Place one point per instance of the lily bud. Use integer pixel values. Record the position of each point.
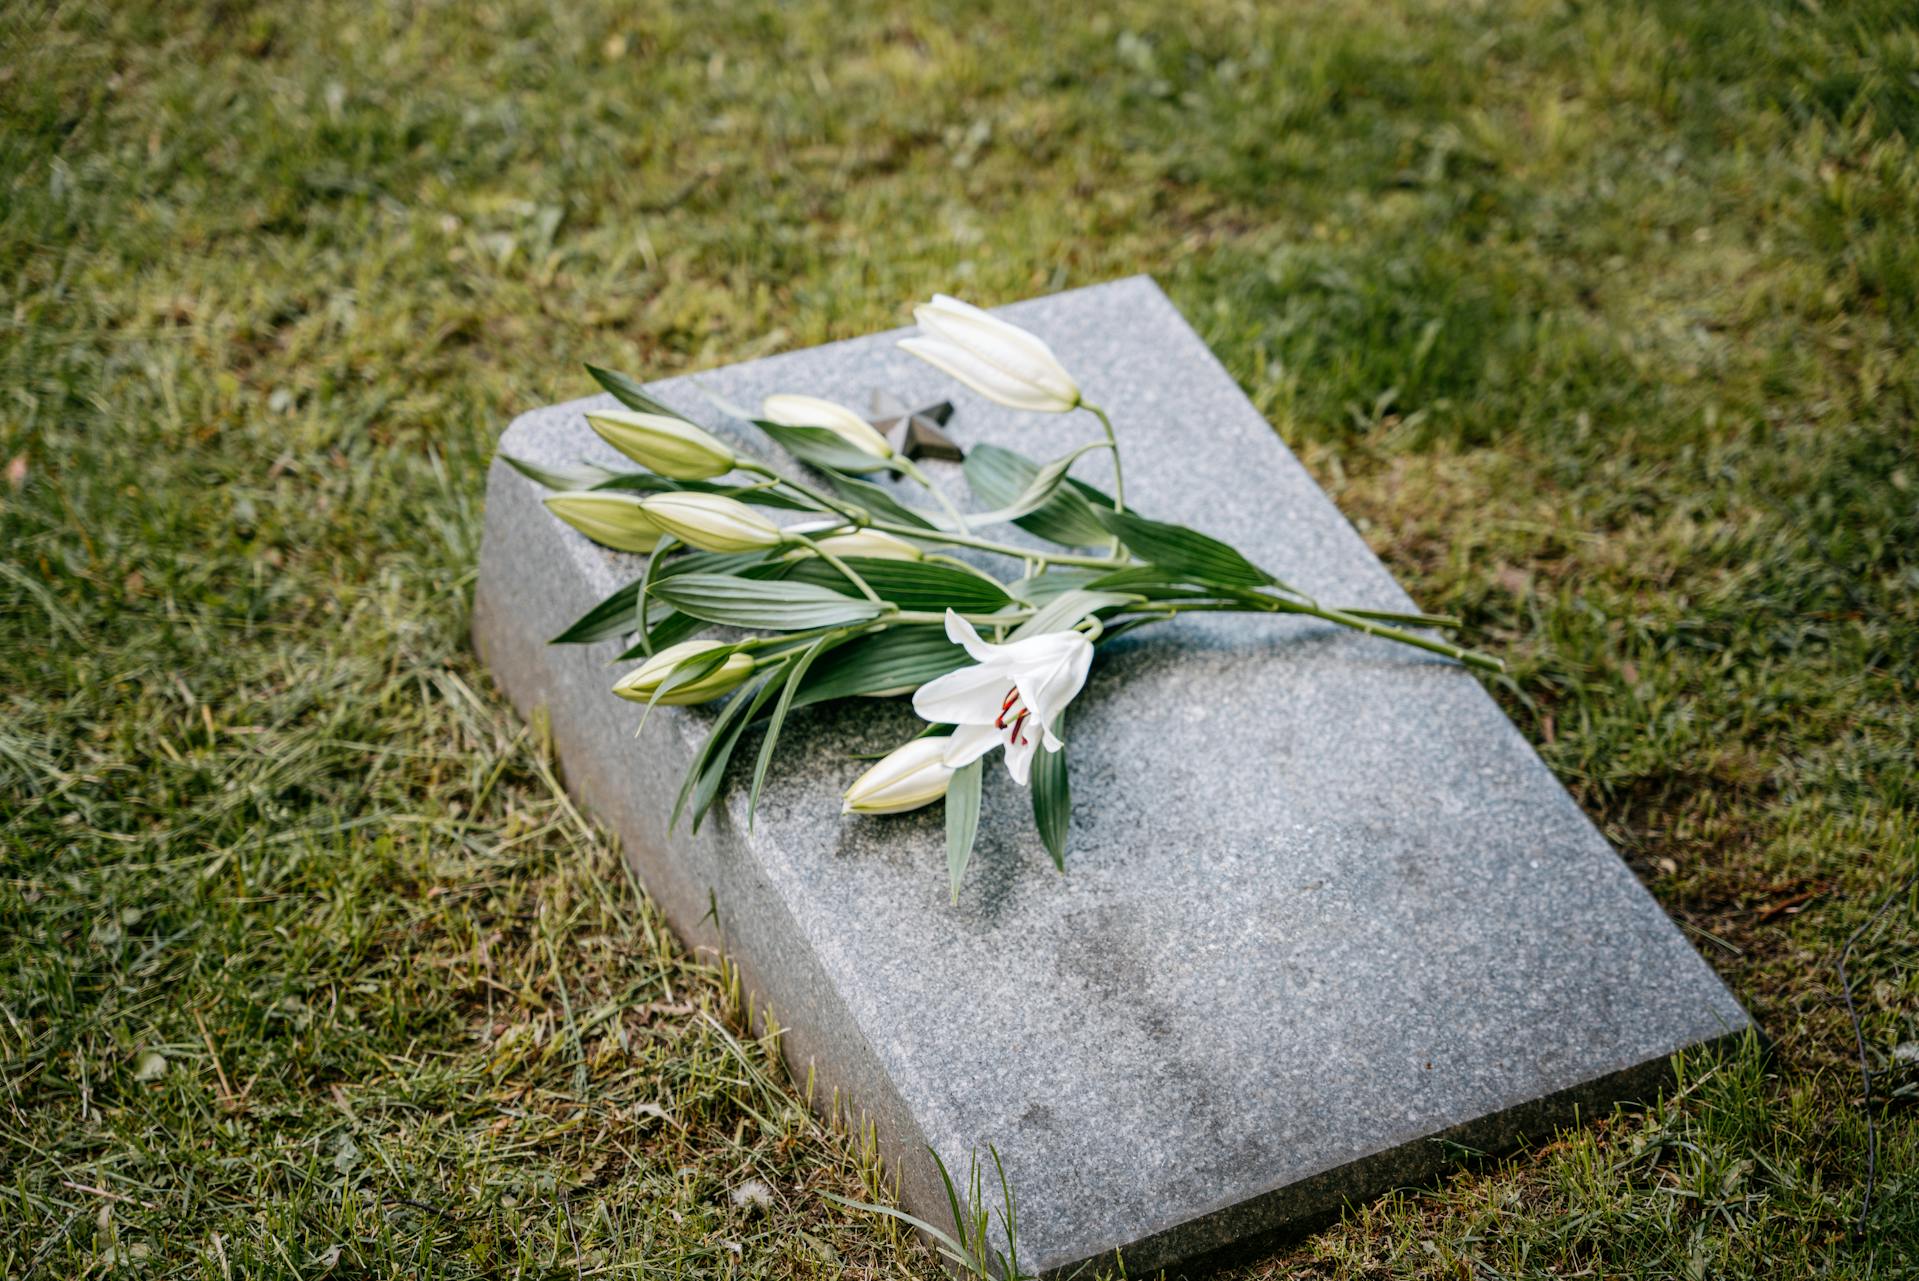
(905, 779)
(810, 411)
(1001, 362)
(672, 447)
(872, 543)
(713, 522)
(640, 683)
(615, 520)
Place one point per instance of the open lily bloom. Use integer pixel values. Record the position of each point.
(1011, 698)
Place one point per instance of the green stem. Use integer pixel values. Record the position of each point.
(851, 575)
(1112, 441)
(1253, 603)
(908, 468)
(796, 640)
(1003, 549)
(978, 620)
(824, 502)
(941, 559)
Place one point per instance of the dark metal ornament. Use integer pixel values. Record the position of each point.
(916, 432)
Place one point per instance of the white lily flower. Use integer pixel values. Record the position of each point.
(1012, 698)
(906, 778)
(789, 410)
(1001, 362)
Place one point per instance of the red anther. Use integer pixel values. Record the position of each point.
(1012, 696)
(1018, 721)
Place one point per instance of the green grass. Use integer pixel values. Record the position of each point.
(1599, 318)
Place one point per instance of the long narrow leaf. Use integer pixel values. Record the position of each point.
(1186, 551)
(617, 615)
(706, 789)
(895, 661)
(821, 447)
(1052, 799)
(915, 585)
(773, 726)
(877, 499)
(760, 494)
(998, 476)
(630, 393)
(962, 822)
(1039, 490)
(773, 605)
(573, 476)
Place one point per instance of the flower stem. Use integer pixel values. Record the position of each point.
(847, 571)
(978, 620)
(1255, 603)
(1003, 549)
(1112, 441)
(855, 514)
(910, 469)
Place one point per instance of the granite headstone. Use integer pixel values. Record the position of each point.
(1325, 907)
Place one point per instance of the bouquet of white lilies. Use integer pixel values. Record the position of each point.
(870, 596)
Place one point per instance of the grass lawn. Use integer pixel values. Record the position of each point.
(1598, 318)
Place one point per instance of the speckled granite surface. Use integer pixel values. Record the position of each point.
(1324, 904)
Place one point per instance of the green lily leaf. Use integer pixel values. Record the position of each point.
(999, 477)
(629, 392)
(962, 821)
(914, 585)
(771, 605)
(876, 499)
(1184, 551)
(565, 478)
(894, 661)
(1052, 799)
(821, 447)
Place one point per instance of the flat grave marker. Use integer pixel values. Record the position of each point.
(1324, 905)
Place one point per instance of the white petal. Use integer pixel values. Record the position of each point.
(969, 743)
(946, 308)
(981, 376)
(1012, 350)
(1047, 689)
(1019, 759)
(965, 635)
(970, 696)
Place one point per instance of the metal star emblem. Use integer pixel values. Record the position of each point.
(915, 432)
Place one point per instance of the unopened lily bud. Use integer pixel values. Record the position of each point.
(1001, 362)
(615, 520)
(810, 411)
(905, 779)
(871, 543)
(670, 446)
(713, 522)
(640, 683)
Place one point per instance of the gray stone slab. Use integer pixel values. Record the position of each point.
(1324, 907)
